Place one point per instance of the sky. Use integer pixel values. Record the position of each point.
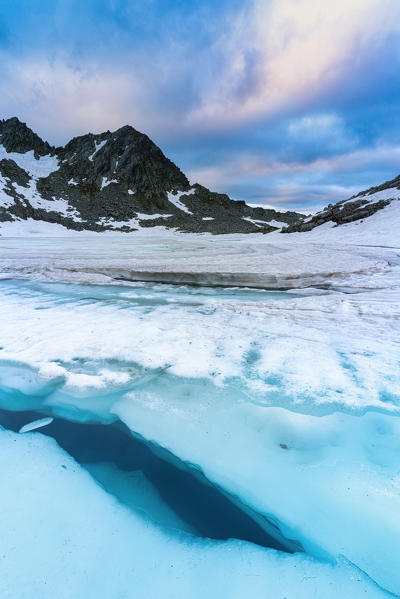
(287, 103)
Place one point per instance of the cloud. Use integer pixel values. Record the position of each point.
(318, 182)
(60, 99)
(190, 74)
(189, 71)
(264, 99)
(327, 130)
(285, 54)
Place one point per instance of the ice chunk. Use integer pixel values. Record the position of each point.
(31, 426)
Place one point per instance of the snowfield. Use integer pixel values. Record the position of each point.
(276, 376)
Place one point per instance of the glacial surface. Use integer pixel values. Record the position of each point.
(284, 398)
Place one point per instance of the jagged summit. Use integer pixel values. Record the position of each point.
(113, 180)
(128, 155)
(16, 136)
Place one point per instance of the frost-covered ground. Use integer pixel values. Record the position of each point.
(286, 398)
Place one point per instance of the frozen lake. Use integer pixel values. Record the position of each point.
(261, 399)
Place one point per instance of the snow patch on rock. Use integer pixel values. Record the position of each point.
(35, 167)
(174, 198)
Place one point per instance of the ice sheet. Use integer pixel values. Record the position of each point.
(232, 373)
(289, 401)
(82, 543)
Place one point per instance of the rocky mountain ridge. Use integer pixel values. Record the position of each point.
(114, 181)
(357, 208)
(121, 181)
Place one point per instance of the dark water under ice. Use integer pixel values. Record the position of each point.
(205, 510)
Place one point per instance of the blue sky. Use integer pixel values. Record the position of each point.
(291, 103)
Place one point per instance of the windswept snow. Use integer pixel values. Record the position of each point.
(37, 168)
(258, 223)
(58, 205)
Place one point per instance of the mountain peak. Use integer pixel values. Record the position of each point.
(16, 136)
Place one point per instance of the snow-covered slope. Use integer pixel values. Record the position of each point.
(380, 228)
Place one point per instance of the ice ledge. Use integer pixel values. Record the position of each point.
(230, 279)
